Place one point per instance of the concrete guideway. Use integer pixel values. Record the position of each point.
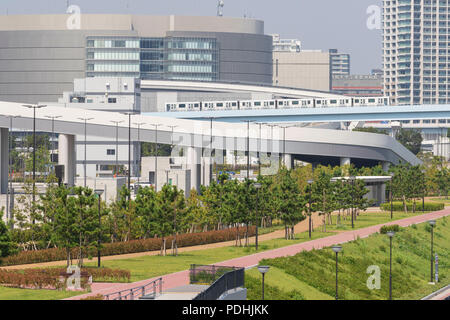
(182, 278)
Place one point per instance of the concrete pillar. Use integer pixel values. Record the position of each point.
(194, 164)
(385, 165)
(345, 161)
(4, 160)
(67, 157)
(288, 161)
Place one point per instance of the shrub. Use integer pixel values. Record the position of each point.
(398, 206)
(96, 297)
(133, 246)
(386, 229)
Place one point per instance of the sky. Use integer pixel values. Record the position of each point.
(319, 24)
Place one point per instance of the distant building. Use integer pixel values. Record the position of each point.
(286, 45)
(340, 62)
(358, 85)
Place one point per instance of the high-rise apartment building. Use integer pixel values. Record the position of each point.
(416, 36)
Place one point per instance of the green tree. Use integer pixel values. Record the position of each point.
(411, 139)
(7, 246)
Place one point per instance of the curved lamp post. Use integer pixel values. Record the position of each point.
(263, 270)
(432, 224)
(336, 249)
(390, 235)
(257, 186)
(99, 193)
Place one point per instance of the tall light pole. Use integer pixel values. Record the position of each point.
(85, 152)
(263, 270)
(271, 136)
(99, 193)
(257, 186)
(336, 250)
(352, 179)
(34, 107)
(248, 147)
(53, 134)
(10, 136)
(117, 145)
(156, 154)
(432, 224)
(129, 114)
(391, 195)
(259, 148)
(310, 183)
(284, 141)
(390, 235)
(139, 124)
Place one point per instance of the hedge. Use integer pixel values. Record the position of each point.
(133, 246)
(386, 229)
(398, 206)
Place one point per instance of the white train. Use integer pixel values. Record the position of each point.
(277, 104)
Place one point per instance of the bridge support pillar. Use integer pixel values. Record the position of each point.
(288, 161)
(194, 162)
(345, 161)
(4, 160)
(67, 157)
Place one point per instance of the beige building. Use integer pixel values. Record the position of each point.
(305, 70)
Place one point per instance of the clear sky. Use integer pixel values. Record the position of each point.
(320, 24)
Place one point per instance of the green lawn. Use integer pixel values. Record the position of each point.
(146, 267)
(441, 200)
(411, 266)
(27, 294)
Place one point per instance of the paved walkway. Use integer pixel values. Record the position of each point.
(182, 278)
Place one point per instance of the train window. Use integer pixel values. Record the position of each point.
(196, 105)
(333, 101)
(319, 102)
(280, 103)
(182, 105)
(219, 104)
(257, 103)
(271, 103)
(371, 100)
(233, 104)
(295, 103)
(356, 100)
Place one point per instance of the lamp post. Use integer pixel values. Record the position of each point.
(263, 270)
(248, 146)
(336, 249)
(271, 136)
(257, 186)
(139, 124)
(390, 235)
(129, 114)
(423, 192)
(8, 211)
(99, 193)
(156, 154)
(34, 107)
(53, 134)
(259, 148)
(391, 195)
(352, 179)
(117, 146)
(432, 224)
(284, 142)
(310, 183)
(85, 137)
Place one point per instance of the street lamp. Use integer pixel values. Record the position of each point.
(390, 235)
(53, 134)
(156, 154)
(336, 249)
(257, 186)
(129, 114)
(99, 193)
(310, 182)
(248, 146)
(391, 195)
(8, 209)
(263, 270)
(34, 107)
(352, 179)
(423, 192)
(432, 224)
(85, 137)
(139, 124)
(117, 145)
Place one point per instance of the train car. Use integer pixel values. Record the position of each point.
(295, 103)
(219, 105)
(370, 101)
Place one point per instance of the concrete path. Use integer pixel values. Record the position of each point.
(182, 278)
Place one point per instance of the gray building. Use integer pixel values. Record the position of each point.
(40, 56)
(358, 85)
(339, 62)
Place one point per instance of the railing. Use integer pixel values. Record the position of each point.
(221, 279)
(150, 289)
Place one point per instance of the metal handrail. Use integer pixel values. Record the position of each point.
(229, 280)
(133, 293)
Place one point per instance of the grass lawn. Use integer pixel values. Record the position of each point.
(441, 200)
(411, 265)
(27, 294)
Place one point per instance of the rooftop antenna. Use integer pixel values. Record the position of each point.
(220, 5)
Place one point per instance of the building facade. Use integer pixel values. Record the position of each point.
(358, 85)
(340, 63)
(40, 56)
(416, 36)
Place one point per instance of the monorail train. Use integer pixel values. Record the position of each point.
(277, 104)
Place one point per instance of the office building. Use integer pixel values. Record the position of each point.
(416, 51)
(339, 62)
(358, 85)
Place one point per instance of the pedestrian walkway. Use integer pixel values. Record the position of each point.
(182, 278)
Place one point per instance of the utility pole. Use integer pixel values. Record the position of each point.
(85, 153)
